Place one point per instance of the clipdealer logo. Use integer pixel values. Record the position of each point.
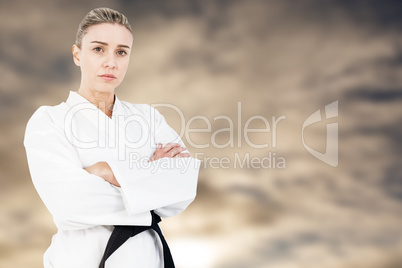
(330, 156)
(129, 134)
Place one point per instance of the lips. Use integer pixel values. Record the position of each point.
(108, 77)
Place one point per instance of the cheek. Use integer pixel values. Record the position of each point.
(88, 66)
(124, 65)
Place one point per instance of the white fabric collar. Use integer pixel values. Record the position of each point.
(74, 99)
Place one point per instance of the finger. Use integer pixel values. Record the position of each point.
(183, 155)
(158, 150)
(170, 146)
(159, 146)
(177, 150)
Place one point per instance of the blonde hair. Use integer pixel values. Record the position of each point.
(97, 16)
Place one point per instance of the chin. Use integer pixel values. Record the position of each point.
(106, 88)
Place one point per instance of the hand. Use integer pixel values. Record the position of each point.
(170, 150)
(103, 170)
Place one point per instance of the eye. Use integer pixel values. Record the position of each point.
(98, 49)
(122, 52)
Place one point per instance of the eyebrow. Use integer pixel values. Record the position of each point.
(106, 44)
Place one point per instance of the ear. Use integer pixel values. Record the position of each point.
(76, 55)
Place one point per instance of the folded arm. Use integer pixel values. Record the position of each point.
(75, 198)
(103, 170)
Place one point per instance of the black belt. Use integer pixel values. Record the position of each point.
(121, 234)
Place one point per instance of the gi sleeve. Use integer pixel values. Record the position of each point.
(75, 198)
(166, 185)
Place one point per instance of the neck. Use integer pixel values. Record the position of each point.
(103, 100)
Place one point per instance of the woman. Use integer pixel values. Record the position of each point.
(86, 159)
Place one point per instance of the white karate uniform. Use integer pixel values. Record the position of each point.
(62, 140)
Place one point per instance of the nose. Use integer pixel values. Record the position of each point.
(110, 61)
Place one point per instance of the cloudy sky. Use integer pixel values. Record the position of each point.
(236, 60)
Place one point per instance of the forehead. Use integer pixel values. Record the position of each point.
(112, 34)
